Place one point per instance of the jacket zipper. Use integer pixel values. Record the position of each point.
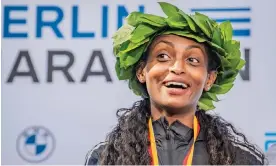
(167, 132)
(169, 152)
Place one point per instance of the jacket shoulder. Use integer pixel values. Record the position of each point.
(93, 156)
(245, 157)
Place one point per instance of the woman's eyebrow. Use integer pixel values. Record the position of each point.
(192, 46)
(195, 46)
(172, 45)
(164, 41)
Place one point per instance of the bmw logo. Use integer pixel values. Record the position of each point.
(35, 144)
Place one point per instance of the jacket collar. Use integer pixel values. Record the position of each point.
(180, 130)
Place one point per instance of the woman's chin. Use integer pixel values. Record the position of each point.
(176, 104)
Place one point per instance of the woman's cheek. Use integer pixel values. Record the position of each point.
(198, 74)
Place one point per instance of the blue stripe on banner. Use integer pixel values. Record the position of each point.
(270, 134)
(241, 32)
(234, 20)
(243, 9)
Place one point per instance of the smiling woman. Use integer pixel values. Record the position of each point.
(178, 65)
(175, 73)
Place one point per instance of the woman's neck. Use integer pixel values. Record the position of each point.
(184, 116)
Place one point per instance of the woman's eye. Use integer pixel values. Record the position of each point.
(163, 57)
(193, 60)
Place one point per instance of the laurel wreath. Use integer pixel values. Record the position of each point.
(132, 39)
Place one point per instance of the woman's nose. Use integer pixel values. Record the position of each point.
(178, 67)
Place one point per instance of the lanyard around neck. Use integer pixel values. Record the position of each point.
(153, 151)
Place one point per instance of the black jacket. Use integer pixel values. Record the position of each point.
(173, 143)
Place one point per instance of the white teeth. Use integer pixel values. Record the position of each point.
(177, 83)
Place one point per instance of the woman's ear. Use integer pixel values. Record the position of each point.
(211, 78)
(140, 73)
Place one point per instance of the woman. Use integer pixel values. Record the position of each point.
(179, 65)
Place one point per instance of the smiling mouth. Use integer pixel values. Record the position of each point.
(178, 85)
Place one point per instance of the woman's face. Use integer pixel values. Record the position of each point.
(176, 72)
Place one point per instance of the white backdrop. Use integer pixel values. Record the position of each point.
(77, 115)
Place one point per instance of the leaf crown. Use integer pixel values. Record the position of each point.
(131, 41)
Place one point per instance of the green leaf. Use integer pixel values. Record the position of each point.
(206, 104)
(118, 48)
(122, 73)
(216, 38)
(229, 74)
(177, 22)
(186, 34)
(190, 21)
(153, 20)
(141, 33)
(211, 96)
(169, 9)
(118, 69)
(131, 57)
(201, 21)
(226, 63)
(221, 89)
(225, 88)
(217, 48)
(234, 61)
(235, 53)
(227, 81)
(136, 87)
(123, 34)
(227, 30)
(122, 47)
(132, 46)
(241, 64)
(212, 24)
(133, 18)
(231, 45)
(227, 77)
(136, 18)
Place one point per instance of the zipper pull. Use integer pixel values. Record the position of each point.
(167, 133)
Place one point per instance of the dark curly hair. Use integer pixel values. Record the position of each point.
(128, 143)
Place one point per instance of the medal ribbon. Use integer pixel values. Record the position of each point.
(153, 151)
